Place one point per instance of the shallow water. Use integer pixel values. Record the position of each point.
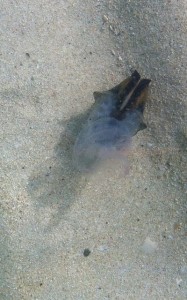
(135, 225)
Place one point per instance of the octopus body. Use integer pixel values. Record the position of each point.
(116, 117)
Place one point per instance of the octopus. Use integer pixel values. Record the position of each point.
(117, 115)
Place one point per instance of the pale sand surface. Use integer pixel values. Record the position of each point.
(54, 54)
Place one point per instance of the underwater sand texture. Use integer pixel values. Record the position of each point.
(104, 236)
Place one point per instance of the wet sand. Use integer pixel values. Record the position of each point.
(67, 235)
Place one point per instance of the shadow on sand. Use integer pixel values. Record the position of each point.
(58, 185)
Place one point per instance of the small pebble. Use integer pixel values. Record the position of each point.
(86, 252)
(111, 28)
(105, 18)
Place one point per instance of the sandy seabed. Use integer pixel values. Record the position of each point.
(66, 235)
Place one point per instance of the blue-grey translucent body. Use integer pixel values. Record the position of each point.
(104, 137)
